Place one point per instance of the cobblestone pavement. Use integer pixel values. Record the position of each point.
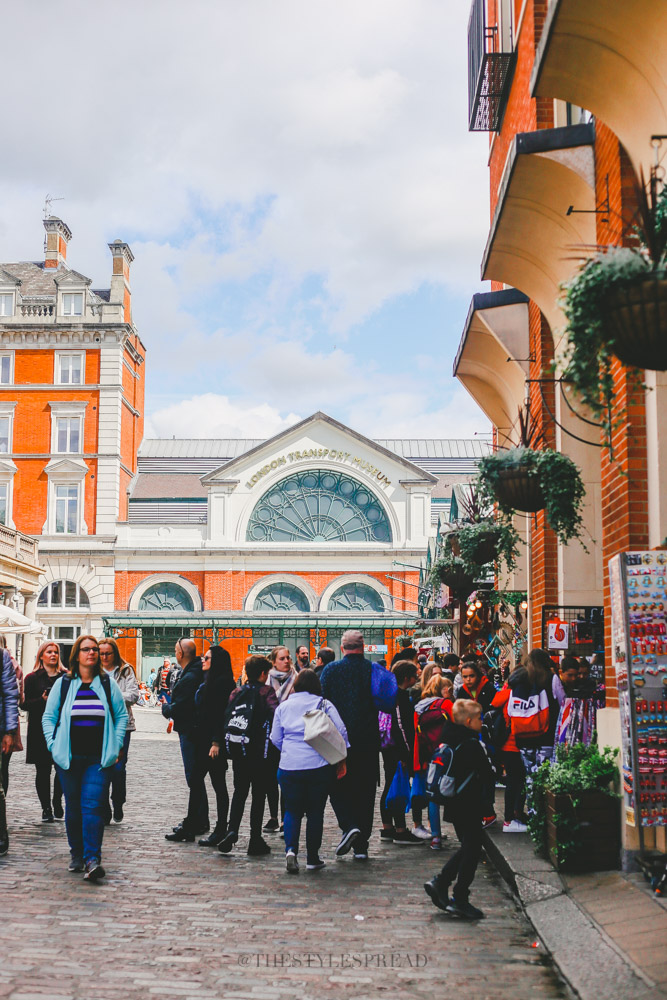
(179, 920)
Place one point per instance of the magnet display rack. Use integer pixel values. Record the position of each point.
(638, 582)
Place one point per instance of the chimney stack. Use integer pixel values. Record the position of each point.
(58, 236)
(120, 277)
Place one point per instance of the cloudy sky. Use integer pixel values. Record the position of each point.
(306, 207)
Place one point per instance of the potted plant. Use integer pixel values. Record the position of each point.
(528, 479)
(575, 809)
(456, 574)
(478, 538)
(616, 306)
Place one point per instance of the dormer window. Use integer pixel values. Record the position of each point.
(6, 303)
(72, 303)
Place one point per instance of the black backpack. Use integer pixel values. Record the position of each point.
(495, 728)
(64, 688)
(243, 729)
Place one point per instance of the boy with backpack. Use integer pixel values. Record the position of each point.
(245, 738)
(456, 779)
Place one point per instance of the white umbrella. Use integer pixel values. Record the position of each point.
(13, 622)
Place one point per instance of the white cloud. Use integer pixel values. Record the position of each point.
(212, 416)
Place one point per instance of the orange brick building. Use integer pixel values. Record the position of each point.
(574, 97)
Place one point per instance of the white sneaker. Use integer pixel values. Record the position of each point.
(515, 827)
(291, 864)
(422, 833)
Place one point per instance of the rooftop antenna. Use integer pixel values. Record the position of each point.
(47, 204)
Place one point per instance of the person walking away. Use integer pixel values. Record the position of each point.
(181, 711)
(400, 750)
(346, 683)
(515, 819)
(324, 657)
(471, 769)
(246, 730)
(9, 720)
(84, 725)
(431, 716)
(152, 678)
(302, 658)
(126, 679)
(305, 777)
(17, 743)
(211, 702)
(281, 678)
(36, 691)
(533, 710)
(476, 686)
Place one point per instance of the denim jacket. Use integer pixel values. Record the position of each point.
(114, 732)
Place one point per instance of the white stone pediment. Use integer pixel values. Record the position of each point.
(71, 279)
(8, 279)
(66, 468)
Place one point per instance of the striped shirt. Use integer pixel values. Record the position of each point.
(87, 723)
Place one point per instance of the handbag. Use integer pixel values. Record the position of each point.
(322, 735)
(398, 796)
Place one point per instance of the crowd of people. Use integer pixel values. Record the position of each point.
(297, 735)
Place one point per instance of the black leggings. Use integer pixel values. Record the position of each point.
(43, 784)
(515, 785)
(6, 757)
(216, 768)
(395, 816)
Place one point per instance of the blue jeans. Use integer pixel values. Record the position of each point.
(305, 792)
(434, 819)
(118, 775)
(86, 788)
(189, 755)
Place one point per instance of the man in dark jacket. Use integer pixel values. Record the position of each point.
(9, 720)
(182, 712)
(347, 685)
(471, 769)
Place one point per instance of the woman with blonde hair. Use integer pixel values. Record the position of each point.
(126, 679)
(37, 688)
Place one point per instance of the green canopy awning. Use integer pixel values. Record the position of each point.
(254, 620)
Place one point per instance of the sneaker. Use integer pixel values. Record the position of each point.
(258, 847)
(170, 726)
(47, 816)
(291, 864)
(436, 843)
(387, 833)
(465, 911)
(515, 827)
(347, 841)
(406, 838)
(75, 865)
(227, 842)
(182, 835)
(422, 833)
(58, 810)
(118, 814)
(315, 866)
(94, 871)
(360, 855)
(438, 894)
(271, 827)
(488, 821)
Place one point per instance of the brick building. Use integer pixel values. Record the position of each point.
(574, 97)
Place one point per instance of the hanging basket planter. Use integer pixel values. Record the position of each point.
(519, 489)
(635, 321)
(456, 575)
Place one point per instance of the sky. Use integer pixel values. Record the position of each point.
(305, 205)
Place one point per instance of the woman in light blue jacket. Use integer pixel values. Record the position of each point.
(84, 725)
(304, 776)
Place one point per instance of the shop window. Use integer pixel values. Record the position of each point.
(63, 594)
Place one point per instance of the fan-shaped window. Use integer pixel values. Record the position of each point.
(281, 597)
(318, 506)
(63, 594)
(356, 597)
(165, 597)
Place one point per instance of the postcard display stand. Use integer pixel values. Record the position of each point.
(639, 647)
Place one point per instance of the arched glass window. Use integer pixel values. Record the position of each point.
(63, 594)
(281, 597)
(356, 597)
(165, 596)
(318, 506)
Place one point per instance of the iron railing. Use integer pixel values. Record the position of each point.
(489, 72)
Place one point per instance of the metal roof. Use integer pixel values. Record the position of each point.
(152, 486)
(412, 449)
(250, 619)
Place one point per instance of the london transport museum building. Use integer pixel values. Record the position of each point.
(290, 540)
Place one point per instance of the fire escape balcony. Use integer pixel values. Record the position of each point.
(490, 72)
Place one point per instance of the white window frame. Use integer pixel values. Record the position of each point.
(7, 413)
(73, 408)
(63, 606)
(59, 355)
(57, 499)
(6, 489)
(10, 356)
(72, 422)
(70, 295)
(12, 304)
(65, 470)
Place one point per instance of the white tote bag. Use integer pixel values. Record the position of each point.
(322, 735)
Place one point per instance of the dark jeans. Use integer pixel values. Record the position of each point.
(216, 768)
(86, 788)
(189, 755)
(6, 757)
(515, 785)
(353, 797)
(464, 863)
(395, 816)
(43, 784)
(273, 796)
(119, 775)
(305, 793)
(3, 813)
(249, 774)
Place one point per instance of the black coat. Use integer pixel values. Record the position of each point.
(471, 757)
(211, 703)
(34, 704)
(403, 728)
(182, 709)
(486, 692)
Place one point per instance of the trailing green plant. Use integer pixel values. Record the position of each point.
(512, 598)
(557, 475)
(575, 770)
(501, 536)
(455, 573)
